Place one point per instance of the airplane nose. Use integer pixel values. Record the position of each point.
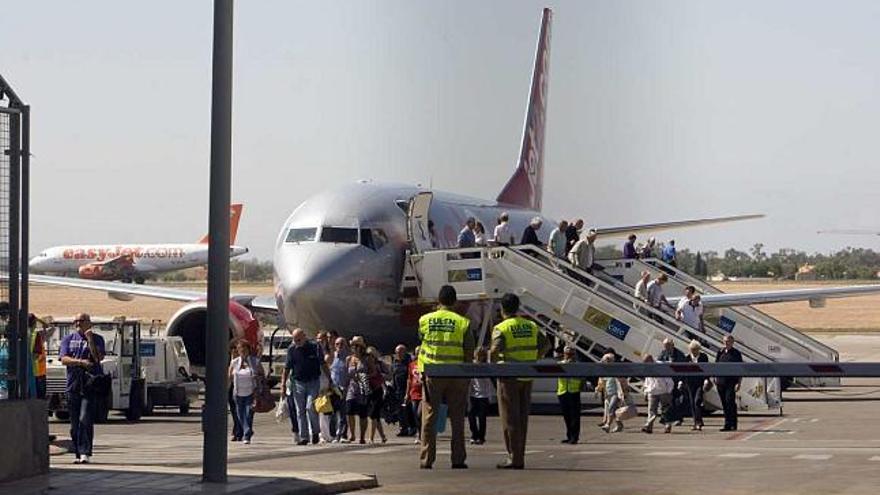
(310, 277)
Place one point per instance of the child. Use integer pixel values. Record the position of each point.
(481, 392)
(414, 393)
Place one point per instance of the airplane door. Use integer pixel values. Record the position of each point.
(417, 222)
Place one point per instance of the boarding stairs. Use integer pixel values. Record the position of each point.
(776, 340)
(589, 312)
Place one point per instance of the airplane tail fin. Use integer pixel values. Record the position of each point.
(234, 217)
(525, 186)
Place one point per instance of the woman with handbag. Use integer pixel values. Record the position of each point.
(358, 389)
(243, 373)
(614, 393)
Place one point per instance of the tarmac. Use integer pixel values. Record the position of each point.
(826, 442)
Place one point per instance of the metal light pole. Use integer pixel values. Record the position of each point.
(217, 334)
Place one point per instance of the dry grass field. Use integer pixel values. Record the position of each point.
(61, 301)
(856, 314)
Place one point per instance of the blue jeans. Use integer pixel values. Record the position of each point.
(244, 409)
(304, 395)
(83, 408)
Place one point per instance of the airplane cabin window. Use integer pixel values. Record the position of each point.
(301, 235)
(340, 235)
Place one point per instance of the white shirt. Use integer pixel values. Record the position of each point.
(582, 254)
(242, 378)
(480, 239)
(502, 233)
(690, 315)
(657, 385)
(641, 291)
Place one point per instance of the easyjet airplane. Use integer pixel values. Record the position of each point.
(130, 262)
(339, 256)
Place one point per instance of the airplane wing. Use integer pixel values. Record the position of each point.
(816, 296)
(119, 290)
(849, 232)
(656, 227)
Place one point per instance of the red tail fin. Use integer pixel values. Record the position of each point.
(525, 186)
(234, 217)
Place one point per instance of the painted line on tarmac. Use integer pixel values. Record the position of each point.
(875, 458)
(664, 454)
(504, 452)
(381, 450)
(813, 457)
(591, 452)
(762, 427)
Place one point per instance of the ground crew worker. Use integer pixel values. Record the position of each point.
(445, 339)
(516, 339)
(568, 391)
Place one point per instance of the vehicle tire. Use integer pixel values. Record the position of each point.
(62, 415)
(139, 280)
(184, 409)
(125, 280)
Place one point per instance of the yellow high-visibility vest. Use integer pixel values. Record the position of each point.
(520, 339)
(442, 334)
(568, 385)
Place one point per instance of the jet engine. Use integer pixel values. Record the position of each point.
(191, 321)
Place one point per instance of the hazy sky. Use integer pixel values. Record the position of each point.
(657, 111)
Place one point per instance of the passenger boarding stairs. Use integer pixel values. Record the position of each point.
(581, 309)
(774, 339)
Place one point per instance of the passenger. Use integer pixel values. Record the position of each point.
(237, 432)
(690, 309)
(556, 245)
(433, 234)
(568, 391)
(482, 392)
(376, 371)
(583, 254)
(480, 235)
(304, 366)
(340, 378)
(629, 248)
(466, 235)
(656, 298)
(696, 385)
(516, 339)
(414, 394)
(81, 353)
(502, 235)
(38, 340)
(658, 392)
(325, 419)
(573, 234)
(641, 290)
(728, 386)
(397, 393)
(647, 250)
(445, 339)
(668, 253)
(323, 341)
(679, 408)
(243, 373)
(358, 389)
(614, 393)
(530, 234)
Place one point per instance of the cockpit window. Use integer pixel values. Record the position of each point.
(403, 205)
(342, 235)
(301, 235)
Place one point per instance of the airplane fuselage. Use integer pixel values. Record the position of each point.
(146, 258)
(339, 256)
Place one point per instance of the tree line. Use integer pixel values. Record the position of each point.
(848, 263)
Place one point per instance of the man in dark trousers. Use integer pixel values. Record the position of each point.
(679, 401)
(728, 386)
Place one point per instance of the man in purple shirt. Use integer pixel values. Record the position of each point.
(629, 248)
(82, 352)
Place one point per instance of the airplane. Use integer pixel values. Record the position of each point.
(130, 262)
(339, 256)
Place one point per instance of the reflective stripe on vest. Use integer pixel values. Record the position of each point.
(520, 339)
(442, 334)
